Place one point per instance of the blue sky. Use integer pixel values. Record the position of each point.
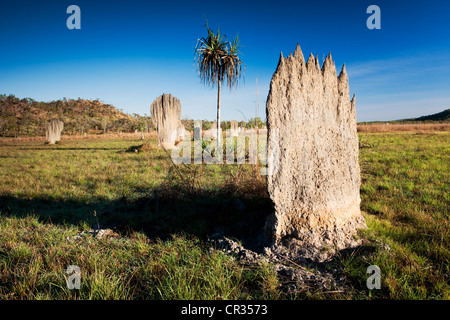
(129, 52)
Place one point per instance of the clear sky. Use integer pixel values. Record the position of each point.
(129, 52)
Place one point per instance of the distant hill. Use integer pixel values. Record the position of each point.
(27, 117)
(441, 116)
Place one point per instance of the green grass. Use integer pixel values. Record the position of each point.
(34, 257)
(163, 215)
(405, 193)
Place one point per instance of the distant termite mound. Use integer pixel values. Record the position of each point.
(53, 133)
(166, 117)
(315, 185)
(234, 132)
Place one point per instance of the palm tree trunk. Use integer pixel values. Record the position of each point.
(218, 117)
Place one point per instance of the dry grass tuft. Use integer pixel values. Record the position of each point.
(246, 182)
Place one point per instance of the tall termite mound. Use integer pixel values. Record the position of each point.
(54, 129)
(315, 178)
(166, 117)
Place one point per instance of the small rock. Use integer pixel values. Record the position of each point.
(277, 256)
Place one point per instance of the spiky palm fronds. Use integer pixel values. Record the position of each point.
(233, 63)
(217, 59)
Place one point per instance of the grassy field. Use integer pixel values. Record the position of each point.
(161, 221)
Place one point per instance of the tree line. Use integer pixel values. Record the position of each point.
(28, 118)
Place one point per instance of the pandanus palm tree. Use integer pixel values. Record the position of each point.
(218, 61)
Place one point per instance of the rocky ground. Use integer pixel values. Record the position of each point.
(294, 276)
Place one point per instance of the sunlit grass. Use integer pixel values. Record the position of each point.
(49, 193)
(405, 192)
